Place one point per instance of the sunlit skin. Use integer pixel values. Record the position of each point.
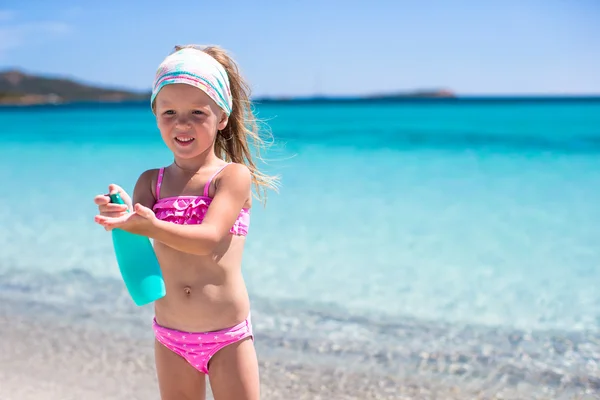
(184, 112)
(201, 264)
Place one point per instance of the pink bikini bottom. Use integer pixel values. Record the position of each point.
(198, 348)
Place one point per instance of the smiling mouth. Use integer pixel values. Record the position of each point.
(184, 141)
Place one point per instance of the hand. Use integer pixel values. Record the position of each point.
(114, 215)
(140, 221)
(113, 210)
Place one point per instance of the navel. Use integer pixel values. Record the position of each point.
(187, 290)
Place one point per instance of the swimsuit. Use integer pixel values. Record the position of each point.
(189, 210)
(197, 348)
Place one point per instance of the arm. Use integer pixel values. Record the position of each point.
(142, 192)
(231, 195)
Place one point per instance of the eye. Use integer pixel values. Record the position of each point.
(197, 112)
(169, 112)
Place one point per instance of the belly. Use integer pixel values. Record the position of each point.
(203, 293)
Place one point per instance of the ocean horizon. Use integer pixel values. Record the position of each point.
(368, 98)
(462, 227)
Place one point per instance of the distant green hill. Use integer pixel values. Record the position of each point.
(17, 87)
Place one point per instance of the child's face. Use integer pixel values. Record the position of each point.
(188, 119)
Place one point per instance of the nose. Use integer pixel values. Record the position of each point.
(182, 122)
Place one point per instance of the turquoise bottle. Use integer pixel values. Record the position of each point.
(138, 264)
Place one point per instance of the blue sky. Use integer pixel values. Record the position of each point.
(319, 46)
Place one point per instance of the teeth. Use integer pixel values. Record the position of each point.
(185, 139)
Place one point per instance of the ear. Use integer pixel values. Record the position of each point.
(222, 121)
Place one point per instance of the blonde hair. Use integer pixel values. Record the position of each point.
(233, 143)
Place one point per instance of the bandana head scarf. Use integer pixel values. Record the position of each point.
(194, 67)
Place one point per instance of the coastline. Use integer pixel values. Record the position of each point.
(21, 89)
(51, 359)
(308, 101)
(62, 352)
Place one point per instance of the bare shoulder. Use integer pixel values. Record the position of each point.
(144, 191)
(238, 172)
(236, 179)
(149, 177)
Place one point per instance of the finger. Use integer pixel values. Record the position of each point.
(112, 207)
(140, 206)
(100, 223)
(112, 214)
(103, 224)
(112, 221)
(114, 188)
(101, 199)
(141, 210)
(110, 225)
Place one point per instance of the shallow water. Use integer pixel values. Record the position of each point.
(405, 234)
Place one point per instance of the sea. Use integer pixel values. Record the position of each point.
(449, 238)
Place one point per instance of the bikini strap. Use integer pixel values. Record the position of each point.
(207, 186)
(159, 181)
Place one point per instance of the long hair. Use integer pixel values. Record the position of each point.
(242, 134)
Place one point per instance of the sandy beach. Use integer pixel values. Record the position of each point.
(50, 357)
(39, 360)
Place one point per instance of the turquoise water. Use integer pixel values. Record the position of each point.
(443, 214)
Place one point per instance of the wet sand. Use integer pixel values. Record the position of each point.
(51, 358)
(38, 361)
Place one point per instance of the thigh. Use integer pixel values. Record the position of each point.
(177, 379)
(233, 372)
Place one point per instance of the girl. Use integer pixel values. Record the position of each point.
(197, 211)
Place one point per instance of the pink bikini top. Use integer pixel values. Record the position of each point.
(190, 210)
